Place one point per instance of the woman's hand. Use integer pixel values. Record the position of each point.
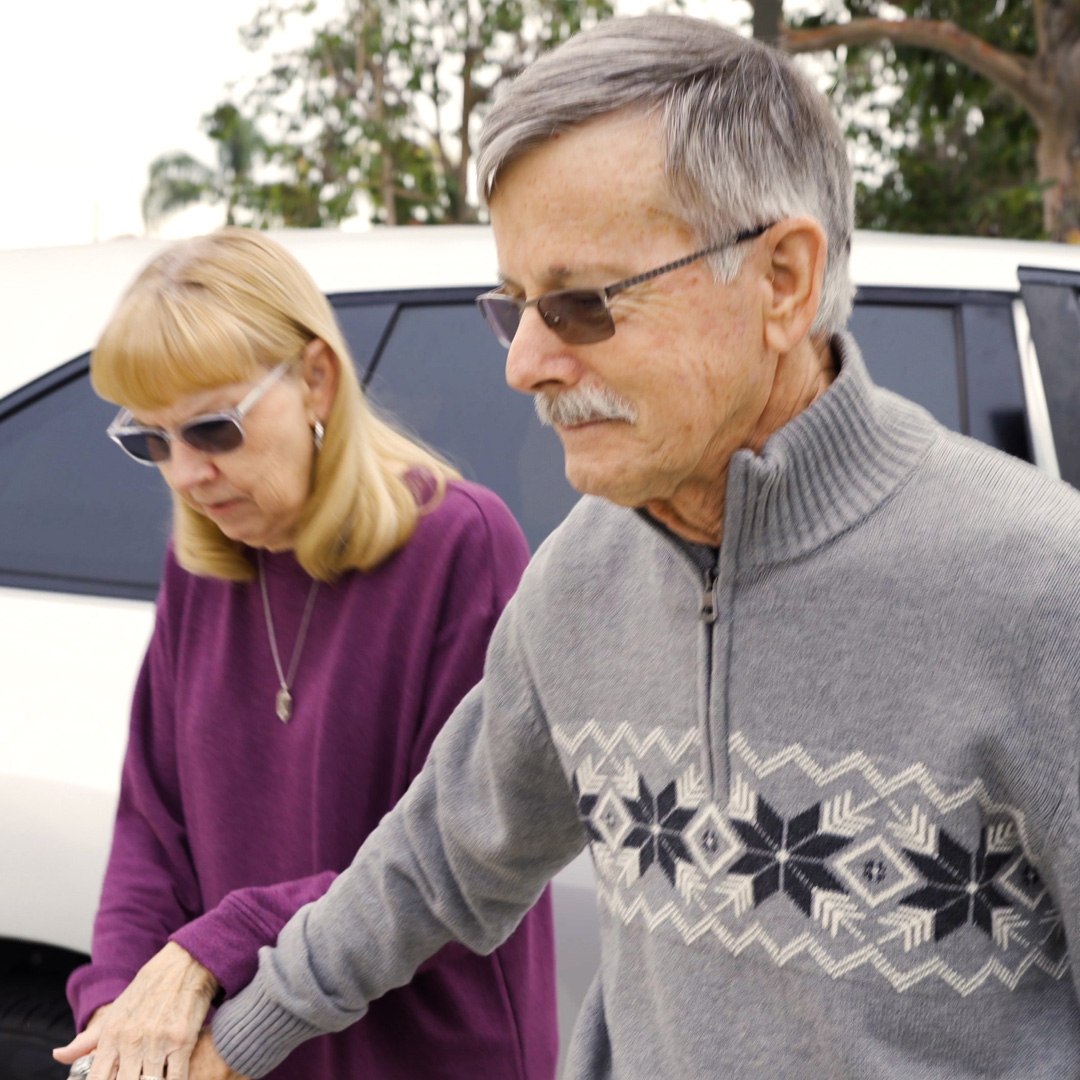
(154, 1023)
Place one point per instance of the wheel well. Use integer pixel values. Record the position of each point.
(27, 960)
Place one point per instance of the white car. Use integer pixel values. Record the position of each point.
(985, 334)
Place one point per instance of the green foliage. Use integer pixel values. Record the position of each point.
(952, 153)
(381, 107)
(177, 180)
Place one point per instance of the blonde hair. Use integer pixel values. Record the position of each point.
(224, 308)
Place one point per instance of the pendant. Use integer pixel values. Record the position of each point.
(283, 703)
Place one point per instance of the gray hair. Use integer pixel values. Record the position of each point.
(748, 140)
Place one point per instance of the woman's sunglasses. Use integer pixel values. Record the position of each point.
(581, 316)
(212, 433)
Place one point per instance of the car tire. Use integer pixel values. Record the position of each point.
(34, 1018)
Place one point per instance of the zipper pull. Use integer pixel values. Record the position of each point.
(708, 605)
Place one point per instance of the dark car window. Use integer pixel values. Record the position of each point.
(77, 516)
(441, 374)
(1052, 298)
(995, 392)
(913, 350)
(954, 352)
(364, 325)
(74, 514)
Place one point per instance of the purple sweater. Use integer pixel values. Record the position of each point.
(229, 821)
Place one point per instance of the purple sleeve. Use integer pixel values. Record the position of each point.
(226, 940)
(489, 556)
(150, 886)
(492, 555)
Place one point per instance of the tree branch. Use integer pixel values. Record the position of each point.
(1008, 70)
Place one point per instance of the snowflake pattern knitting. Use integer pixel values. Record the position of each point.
(859, 878)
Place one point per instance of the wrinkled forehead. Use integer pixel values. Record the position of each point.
(583, 200)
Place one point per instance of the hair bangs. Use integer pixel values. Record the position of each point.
(163, 344)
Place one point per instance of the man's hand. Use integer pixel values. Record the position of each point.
(207, 1064)
(153, 1024)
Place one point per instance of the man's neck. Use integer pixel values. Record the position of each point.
(696, 512)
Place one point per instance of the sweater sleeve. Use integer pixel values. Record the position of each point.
(479, 576)
(490, 555)
(227, 938)
(150, 885)
(467, 851)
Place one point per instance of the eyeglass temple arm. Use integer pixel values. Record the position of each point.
(257, 392)
(750, 234)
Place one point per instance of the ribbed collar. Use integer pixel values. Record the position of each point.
(824, 471)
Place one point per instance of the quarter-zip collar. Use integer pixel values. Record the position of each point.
(825, 470)
(819, 475)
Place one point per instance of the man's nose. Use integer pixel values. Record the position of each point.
(187, 467)
(537, 359)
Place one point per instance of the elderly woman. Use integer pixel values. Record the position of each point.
(327, 599)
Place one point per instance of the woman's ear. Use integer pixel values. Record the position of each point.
(797, 269)
(321, 376)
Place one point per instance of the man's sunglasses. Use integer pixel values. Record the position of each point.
(212, 433)
(581, 316)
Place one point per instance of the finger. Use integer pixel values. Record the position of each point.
(179, 1066)
(153, 1068)
(131, 1066)
(83, 1043)
(104, 1067)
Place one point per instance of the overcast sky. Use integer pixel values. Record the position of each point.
(91, 92)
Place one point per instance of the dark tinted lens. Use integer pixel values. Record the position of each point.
(145, 445)
(579, 318)
(503, 316)
(213, 436)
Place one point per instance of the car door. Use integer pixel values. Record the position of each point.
(1052, 301)
(954, 352)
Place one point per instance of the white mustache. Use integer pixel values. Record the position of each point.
(582, 405)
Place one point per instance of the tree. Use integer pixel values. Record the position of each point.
(767, 19)
(1012, 80)
(177, 180)
(385, 100)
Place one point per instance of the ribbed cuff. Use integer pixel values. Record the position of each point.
(254, 1034)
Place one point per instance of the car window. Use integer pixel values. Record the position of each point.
(77, 516)
(994, 390)
(74, 515)
(441, 374)
(912, 349)
(1052, 298)
(364, 325)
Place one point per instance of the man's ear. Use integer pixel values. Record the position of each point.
(797, 250)
(321, 376)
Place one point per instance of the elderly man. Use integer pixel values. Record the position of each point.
(802, 671)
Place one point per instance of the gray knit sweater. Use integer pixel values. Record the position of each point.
(833, 799)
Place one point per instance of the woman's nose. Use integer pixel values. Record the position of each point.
(186, 467)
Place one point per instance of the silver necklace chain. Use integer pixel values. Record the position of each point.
(283, 701)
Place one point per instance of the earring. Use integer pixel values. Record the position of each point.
(319, 432)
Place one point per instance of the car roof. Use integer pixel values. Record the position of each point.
(952, 262)
(55, 302)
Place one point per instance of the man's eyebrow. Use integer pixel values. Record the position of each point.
(557, 276)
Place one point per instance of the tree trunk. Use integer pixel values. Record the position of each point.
(1047, 85)
(1058, 154)
(768, 20)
